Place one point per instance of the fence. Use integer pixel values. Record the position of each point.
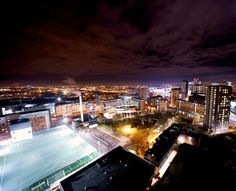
(44, 184)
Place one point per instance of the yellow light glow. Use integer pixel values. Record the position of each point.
(152, 137)
(127, 129)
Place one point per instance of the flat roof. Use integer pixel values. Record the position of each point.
(164, 142)
(207, 166)
(66, 103)
(18, 121)
(19, 124)
(118, 170)
(26, 112)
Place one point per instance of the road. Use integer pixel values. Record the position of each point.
(103, 141)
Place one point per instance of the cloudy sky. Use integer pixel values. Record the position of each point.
(96, 41)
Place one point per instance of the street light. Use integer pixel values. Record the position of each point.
(65, 119)
(99, 149)
(59, 99)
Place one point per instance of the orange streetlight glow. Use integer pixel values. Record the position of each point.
(128, 130)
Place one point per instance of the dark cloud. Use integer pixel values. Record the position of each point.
(220, 40)
(222, 62)
(117, 40)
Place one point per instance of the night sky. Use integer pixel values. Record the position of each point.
(97, 41)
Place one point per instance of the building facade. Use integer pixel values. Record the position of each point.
(157, 104)
(162, 105)
(217, 110)
(191, 110)
(39, 119)
(174, 96)
(21, 129)
(66, 109)
(4, 129)
(184, 89)
(199, 88)
(143, 92)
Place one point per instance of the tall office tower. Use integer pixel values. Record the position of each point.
(217, 108)
(97, 100)
(174, 97)
(196, 81)
(143, 92)
(184, 89)
(199, 88)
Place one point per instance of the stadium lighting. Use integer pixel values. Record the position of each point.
(65, 92)
(4, 151)
(65, 119)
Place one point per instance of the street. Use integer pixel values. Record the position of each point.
(101, 140)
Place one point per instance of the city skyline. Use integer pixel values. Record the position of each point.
(117, 95)
(76, 41)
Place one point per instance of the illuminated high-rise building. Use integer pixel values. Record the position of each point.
(162, 105)
(174, 97)
(184, 89)
(217, 108)
(199, 88)
(143, 92)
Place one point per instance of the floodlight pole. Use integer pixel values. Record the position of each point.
(81, 107)
(99, 148)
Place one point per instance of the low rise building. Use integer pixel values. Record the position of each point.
(40, 119)
(66, 109)
(191, 110)
(21, 129)
(4, 129)
(158, 104)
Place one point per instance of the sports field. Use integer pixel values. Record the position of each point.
(26, 162)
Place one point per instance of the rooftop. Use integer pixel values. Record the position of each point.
(18, 121)
(118, 170)
(19, 124)
(210, 165)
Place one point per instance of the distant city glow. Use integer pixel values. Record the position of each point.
(80, 79)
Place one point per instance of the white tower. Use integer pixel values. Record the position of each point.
(81, 107)
(78, 93)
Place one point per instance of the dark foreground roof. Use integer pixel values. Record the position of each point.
(119, 170)
(19, 121)
(210, 166)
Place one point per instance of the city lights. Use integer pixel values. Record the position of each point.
(65, 119)
(117, 95)
(127, 129)
(181, 139)
(146, 126)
